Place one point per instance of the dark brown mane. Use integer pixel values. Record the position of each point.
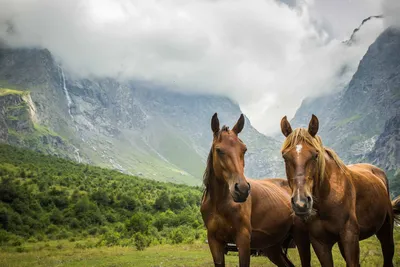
(209, 172)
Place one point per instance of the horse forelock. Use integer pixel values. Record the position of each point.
(302, 135)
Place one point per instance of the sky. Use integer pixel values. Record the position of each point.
(266, 55)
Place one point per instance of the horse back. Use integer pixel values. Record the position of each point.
(369, 174)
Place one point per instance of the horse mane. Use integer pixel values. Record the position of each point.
(302, 135)
(209, 172)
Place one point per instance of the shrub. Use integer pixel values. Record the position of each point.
(111, 238)
(139, 223)
(141, 241)
(20, 249)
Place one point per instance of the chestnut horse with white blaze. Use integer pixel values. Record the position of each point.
(338, 203)
(251, 213)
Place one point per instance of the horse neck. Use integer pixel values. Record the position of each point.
(331, 168)
(218, 190)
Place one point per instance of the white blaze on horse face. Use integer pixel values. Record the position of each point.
(298, 149)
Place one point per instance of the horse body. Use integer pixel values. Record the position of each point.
(266, 214)
(271, 215)
(338, 203)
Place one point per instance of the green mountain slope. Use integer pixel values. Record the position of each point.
(45, 197)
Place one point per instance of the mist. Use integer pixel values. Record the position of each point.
(266, 55)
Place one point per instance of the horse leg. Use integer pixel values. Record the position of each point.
(349, 239)
(243, 245)
(217, 251)
(323, 252)
(302, 241)
(276, 255)
(341, 249)
(385, 236)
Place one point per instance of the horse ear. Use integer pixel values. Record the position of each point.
(215, 123)
(239, 125)
(313, 126)
(285, 127)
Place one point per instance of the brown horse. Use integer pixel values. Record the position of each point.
(338, 203)
(261, 219)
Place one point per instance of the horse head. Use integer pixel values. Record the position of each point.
(227, 154)
(304, 162)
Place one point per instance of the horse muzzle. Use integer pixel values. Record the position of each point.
(241, 193)
(302, 206)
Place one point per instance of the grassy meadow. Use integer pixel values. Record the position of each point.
(85, 253)
(54, 212)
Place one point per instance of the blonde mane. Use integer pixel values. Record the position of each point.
(301, 135)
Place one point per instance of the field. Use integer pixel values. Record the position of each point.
(66, 253)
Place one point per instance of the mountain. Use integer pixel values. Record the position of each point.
(131, 126)
(361, 121)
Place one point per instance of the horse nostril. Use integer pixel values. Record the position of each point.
(237, 187)
(249, 186)
(309, 199)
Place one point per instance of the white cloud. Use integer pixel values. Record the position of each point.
(263, 54)
(391, 9)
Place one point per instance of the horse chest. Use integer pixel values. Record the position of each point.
(324, 230)
(222, 227)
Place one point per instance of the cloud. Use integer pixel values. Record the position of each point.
(264, 54)
(391, 10)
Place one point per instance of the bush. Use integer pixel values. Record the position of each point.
(80, 246)
(139, 223)
(111, 238)
(64, 234)
(20, 249)
(177, 236)
(141, 241)
(32, 240)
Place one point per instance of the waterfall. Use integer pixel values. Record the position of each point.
(78, 156)
(69, 104)
(69, 101)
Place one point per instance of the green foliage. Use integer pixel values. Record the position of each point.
(43, 197)
(141, 241)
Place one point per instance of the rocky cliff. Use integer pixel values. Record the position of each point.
(131, 126)
(361, 120)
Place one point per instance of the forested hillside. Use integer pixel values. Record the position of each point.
(44, 197)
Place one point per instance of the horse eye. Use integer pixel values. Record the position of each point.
(220, 152)
(316, 156)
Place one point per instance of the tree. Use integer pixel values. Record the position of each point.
(139, 222)
(178, 202)
(162, 203)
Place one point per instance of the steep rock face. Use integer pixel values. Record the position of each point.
(19, 125)
(386, 151)
(131, 126)
(352, 119)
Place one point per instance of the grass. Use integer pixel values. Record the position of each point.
(65, 253)
(348, 120)
(43, 130)
(6, 91)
